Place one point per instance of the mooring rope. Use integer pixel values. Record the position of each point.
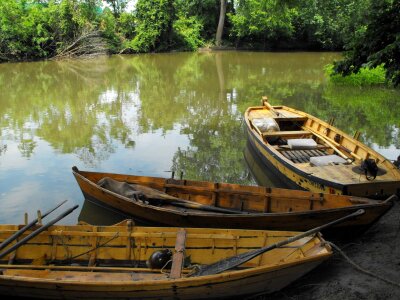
(359, 268)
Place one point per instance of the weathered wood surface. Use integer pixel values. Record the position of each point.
(267, 207)
(55, 262)
(294, 165)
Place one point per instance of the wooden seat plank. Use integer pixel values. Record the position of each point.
(179, 255)
(295, 133)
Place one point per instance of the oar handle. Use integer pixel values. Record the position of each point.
(209, 208)
(234, 261)
(27, 226)
(265, 102)
(37, 231)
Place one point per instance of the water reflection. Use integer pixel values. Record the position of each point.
(94, 214)
(262, 175)
(152, 113)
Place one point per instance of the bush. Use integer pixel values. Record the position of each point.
(188, 32)
(365, 76)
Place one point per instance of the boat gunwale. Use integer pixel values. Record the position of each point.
(369, 205)
(214, 278)
(292, 166)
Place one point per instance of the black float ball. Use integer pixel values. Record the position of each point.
(159, 259)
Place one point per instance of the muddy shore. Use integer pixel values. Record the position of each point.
(376, 251)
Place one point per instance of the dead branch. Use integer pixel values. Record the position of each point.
(88, 44)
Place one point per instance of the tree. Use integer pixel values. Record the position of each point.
(377, 43)
(153, 25)
(262, 21)
(117, 6)
(220, 28)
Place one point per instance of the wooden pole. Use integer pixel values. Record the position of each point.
(27, 226)
(234, 261)
(37, 231)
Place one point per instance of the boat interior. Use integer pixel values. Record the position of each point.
(317, 147)
(172, 194)
(124, 251)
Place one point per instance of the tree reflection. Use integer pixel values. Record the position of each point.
(68, 104)
(91, 107)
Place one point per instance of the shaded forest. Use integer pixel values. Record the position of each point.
(51, 29)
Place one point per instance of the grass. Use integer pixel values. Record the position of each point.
(364, 77)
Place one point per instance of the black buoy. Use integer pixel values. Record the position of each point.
(159, 259)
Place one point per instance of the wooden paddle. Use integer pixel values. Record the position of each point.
(270, 107)
(234, 261)
(37, 231)
(154, 197)
(332, 143)
(27, 226)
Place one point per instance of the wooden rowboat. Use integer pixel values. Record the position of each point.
(316, 156)
(109, 262)
(223, 205)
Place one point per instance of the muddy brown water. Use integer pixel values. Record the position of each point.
(156, 113)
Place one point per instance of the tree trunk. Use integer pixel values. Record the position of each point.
(221, 22)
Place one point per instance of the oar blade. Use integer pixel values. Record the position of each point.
(228, 263)
(234, 261)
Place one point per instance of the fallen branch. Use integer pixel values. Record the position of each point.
(88, 44)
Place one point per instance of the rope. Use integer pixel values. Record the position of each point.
(362, 270)
(94, 248)
(165, 265)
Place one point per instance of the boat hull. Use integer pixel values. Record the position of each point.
(296, 221)
(112, 262)
(341, 179)
(208, 288)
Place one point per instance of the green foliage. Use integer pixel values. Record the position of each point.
(263, 20)
(32, 30)
(126, 25)
(328, 24)
(40, 29)
(117, 6)
(24, 30)
(188, 30)
(377, 43)
(366, 76)
(154, 20)
(108, 26)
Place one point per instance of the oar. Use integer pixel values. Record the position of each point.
(156, 195)
(198, 206)
(234, 261)
(270, 107)
(27, 226)
(37, 231)
(332, 143)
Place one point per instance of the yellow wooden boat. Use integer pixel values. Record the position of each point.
(109, 262)
(190, 203)
(316, 156)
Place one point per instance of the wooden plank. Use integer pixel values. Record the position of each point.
(179, 255)
(287, 148)
(287, 133)
(292, 156)
(299, 156)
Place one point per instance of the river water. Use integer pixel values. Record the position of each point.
(152, 114)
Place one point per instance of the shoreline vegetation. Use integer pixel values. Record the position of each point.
(367, 31)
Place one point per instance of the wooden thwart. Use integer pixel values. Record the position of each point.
(179, 255)
(286, 134)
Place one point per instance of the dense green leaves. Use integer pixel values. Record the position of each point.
(262, 20)
(378, 42)
(40, 29)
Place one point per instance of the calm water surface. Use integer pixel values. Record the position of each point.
(151, 114)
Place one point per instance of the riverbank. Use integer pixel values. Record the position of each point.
(376, 251)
